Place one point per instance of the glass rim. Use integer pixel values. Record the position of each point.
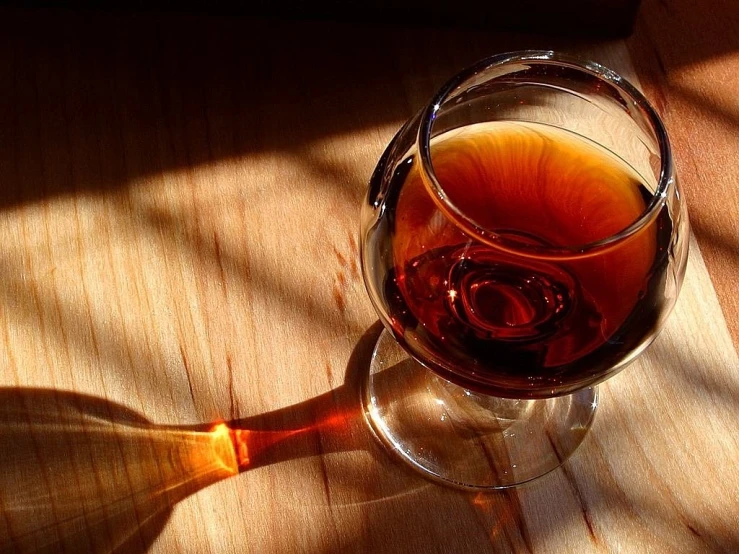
(423, 140)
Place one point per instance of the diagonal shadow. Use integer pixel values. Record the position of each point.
(188, 91)
(704, 33)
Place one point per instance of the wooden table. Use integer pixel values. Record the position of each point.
(178, 223)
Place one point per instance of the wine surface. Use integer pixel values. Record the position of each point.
(523, 324)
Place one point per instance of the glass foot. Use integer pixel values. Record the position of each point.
(463, 438)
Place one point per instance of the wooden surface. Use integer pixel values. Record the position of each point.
(179, 212)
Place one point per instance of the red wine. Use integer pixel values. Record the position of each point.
(518, 321)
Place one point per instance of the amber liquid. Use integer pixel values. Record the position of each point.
(523, 323)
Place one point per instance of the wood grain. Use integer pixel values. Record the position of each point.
(178, 226)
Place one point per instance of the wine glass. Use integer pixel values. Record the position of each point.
(523, 239)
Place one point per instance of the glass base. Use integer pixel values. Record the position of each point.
(463, 438)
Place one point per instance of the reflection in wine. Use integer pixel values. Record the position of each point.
(520, 324)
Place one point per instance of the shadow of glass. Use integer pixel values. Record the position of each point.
(81, 474)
